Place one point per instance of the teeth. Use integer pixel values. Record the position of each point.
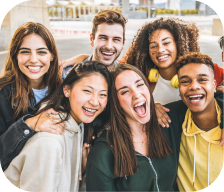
(195, 100)
(90, 110)
(34, 68)
(140, 104)
(193, 96)
(163, 57)
(105, 53)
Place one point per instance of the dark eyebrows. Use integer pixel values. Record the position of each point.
(41, 48)
(162, 40)
(116, 37)
(127, 87)
(200, 75)
(93, 88)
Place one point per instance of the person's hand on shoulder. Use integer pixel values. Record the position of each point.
(162, 116)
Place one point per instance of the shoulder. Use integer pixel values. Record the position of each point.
(6, 90)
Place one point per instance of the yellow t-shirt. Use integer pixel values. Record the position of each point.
(209, 156)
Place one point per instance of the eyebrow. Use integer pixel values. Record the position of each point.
(113, 37)
(162, 40)
(93, 88)
(24, 48)
(127, 87)
(200, 75)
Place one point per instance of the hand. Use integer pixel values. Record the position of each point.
(222, 138)
(85, 151)
(162, 116)
(220, 88)
(72, 62)
(45, 122)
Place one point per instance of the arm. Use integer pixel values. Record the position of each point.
(38, 167)
(16, 136)
(72, 61)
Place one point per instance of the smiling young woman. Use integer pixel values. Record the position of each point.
(60, 159)
(31, 72)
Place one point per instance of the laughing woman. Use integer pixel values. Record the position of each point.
(31, 72)
(51, 162)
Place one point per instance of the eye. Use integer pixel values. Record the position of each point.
(184, 81)
(124, 92)
(24, 52)
(203, 79)
(87, 91)
(166, 43)
(103, 95)
(42, 52)
(153, 47)
(103, 38)
(139, 85)
(118, 40)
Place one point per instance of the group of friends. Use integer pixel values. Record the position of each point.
(151, 121)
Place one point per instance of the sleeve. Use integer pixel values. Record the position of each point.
(219, 98)
(100, 169)
(13, 140)
(219, 74)
(38, 167)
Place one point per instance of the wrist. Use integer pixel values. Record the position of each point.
(30, 123)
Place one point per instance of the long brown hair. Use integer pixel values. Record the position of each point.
(120, 136)
(186, 36)
(23, 93)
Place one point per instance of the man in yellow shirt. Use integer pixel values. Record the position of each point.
(201, 158)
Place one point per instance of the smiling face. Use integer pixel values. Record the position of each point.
(88, 98)
(197, 87)
(162, 48)
(34, 58)
(108, 43)
(133, 96)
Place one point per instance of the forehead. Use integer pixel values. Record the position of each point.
(33, 41)
(114, 30)
(160, 34)
(195, 69)
(126, 78)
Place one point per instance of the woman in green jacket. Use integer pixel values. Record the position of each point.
(134, 154)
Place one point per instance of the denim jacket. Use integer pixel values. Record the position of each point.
(13, 133)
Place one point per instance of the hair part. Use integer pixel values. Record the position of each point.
(195, 57)
(23, 94)
(109, 17)
(185, 34)
(119, 136)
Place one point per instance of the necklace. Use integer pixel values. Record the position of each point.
(142, 142)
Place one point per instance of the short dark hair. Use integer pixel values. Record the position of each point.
(194, 57)
(109, 17)
(221, 42)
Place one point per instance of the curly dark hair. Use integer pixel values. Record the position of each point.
(194, 57)
(186, 36)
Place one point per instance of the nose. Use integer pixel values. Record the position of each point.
(161, 48)
(135, 93)
(195, 85)
(109, 44)
(33, 57)
(94, 100)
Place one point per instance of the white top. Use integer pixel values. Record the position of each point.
(50, 162)
(164, 93)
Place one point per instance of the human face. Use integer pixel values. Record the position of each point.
(88, 98)
(34, 58)
(108, 43)
(162, 48)
(197, 87)
(133, 96)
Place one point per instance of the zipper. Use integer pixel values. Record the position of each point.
(150, 162)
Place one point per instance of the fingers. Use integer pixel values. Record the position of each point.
(165, 109)
(70, 69)
(163, 118)
(51, 111)
(220, 88)
(222, 138)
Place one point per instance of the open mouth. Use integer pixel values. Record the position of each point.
(195, 98)
(34, 68)
(140, 108)
(107, 55)
(89, 111)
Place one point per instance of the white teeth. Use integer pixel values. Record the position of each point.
(193, 96)
(195, 100)
(34, 68)
(140, 104)
(109, 54)
(163, 57)
(90, 110)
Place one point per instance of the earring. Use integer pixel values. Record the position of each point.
(153, 75)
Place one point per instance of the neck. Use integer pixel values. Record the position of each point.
(37, 84)
(109, 67)
(137, 129)
(168, 73)
(206, 119)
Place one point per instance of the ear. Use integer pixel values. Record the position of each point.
(66, 91)
(52, 57)
(91, 40)
(124, 42)
(214, 85)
